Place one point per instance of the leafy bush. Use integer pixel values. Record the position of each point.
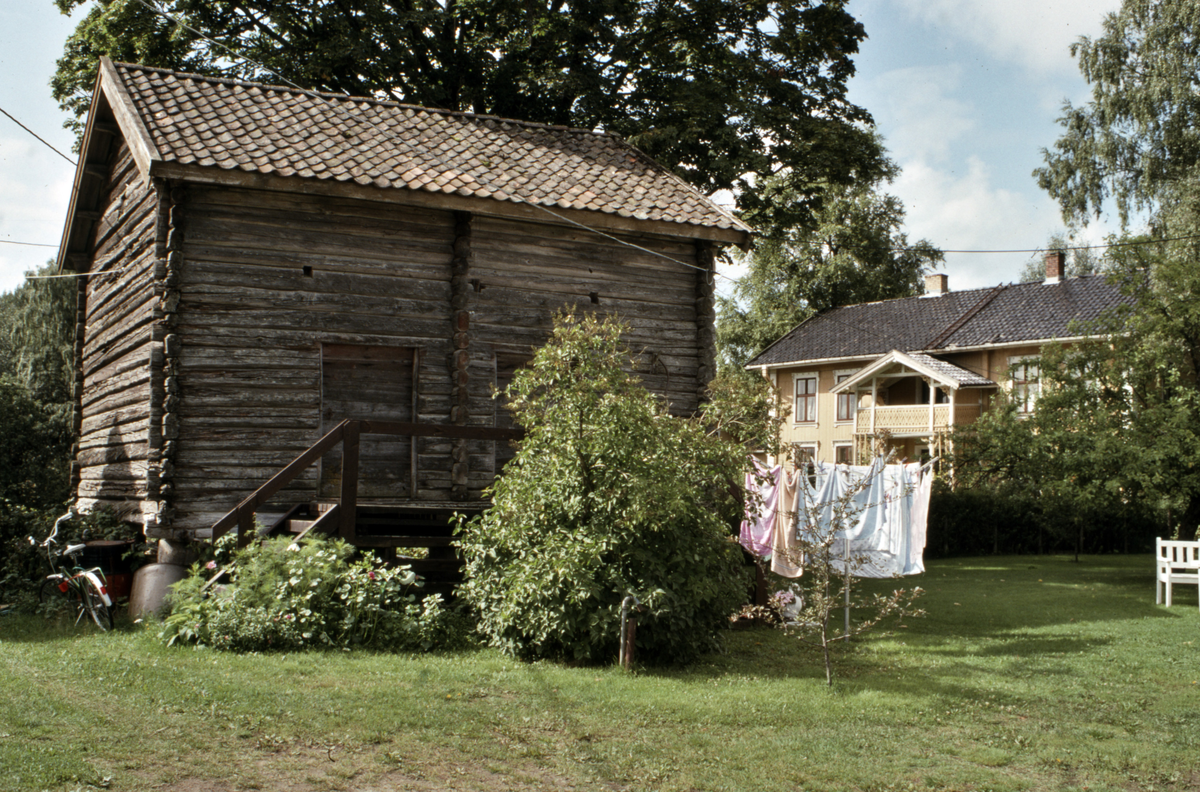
(288, 596)
(608, 495)
(985, 520)
(35, 446)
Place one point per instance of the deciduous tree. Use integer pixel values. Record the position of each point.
(728, 94)
(854, 251)
(608, 496)
(1135, 142)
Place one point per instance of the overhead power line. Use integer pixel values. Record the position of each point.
(1133, 243)
(26, 244)
(39, 137)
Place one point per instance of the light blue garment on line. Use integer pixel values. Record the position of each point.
(885, 513)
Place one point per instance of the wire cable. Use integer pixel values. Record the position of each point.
(1104, 246)
(90, 273)
(36, 135)
(26, 244)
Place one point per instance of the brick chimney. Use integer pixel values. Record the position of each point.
(936, 285)
(1056, 262)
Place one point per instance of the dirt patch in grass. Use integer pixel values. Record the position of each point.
(316, 768)
(471, 778)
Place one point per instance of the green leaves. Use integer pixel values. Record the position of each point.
(287, 596)
(608, 495)
(1135, 141)
(723, 93)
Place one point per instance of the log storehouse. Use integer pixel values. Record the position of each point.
(264, 267)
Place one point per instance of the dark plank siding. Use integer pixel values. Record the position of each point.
(252, 321)
(526, 272)
(115, 361)
(530, 271)
(269, 279)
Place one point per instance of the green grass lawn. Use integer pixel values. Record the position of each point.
(1029, 673)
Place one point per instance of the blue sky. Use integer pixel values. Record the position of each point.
(965, 93)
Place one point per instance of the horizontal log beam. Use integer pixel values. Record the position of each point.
(440, 430)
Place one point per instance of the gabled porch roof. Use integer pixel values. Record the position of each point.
(897, 364)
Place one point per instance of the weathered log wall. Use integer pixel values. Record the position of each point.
(113, 359)
(266, 279)
(523, 273)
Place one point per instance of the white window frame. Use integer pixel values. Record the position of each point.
(810, 397)
(1025, 392)
(837, 446)
(810, 449)
(849, 399)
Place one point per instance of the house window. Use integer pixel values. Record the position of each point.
(1026, 383)
(805, 410)
(846, 402)
(804, 454)
(843, 454)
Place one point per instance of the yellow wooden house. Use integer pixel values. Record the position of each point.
(915, 368)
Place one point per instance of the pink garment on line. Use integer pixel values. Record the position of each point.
(758, 529)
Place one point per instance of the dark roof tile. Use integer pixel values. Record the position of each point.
(259, 128)
(1008, 314)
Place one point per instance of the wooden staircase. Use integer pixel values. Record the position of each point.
(387, 529)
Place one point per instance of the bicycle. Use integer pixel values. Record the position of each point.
(77, 590)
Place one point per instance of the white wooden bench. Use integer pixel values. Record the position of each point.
(1178, 562)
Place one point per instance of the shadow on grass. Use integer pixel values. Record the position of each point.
(1031, 609)
(32, 628)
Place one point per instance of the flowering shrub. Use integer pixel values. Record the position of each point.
(287, 596)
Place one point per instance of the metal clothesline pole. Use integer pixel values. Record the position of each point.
(846, 587)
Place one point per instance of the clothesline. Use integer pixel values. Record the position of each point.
(880, 510)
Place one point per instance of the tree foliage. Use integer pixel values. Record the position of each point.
(609, 495)
(37, 332)
(727, 94)
(34, 445)
(37, 337)
(1135, 142)
(855, 251)
(1070, 462)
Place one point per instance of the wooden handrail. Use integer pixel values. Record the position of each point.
(348, 433)
(439, 430)
(278, 482)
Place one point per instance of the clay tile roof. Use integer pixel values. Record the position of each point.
(1011, 314)
(264, 129)
(961, 376)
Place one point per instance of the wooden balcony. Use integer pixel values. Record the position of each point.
(914, 419)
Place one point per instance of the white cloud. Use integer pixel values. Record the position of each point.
(34, 190)
(1035, 33)
(966, 211)
(924, 120)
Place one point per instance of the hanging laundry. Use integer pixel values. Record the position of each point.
(786, 555)
(882, 510)
(758, 524)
